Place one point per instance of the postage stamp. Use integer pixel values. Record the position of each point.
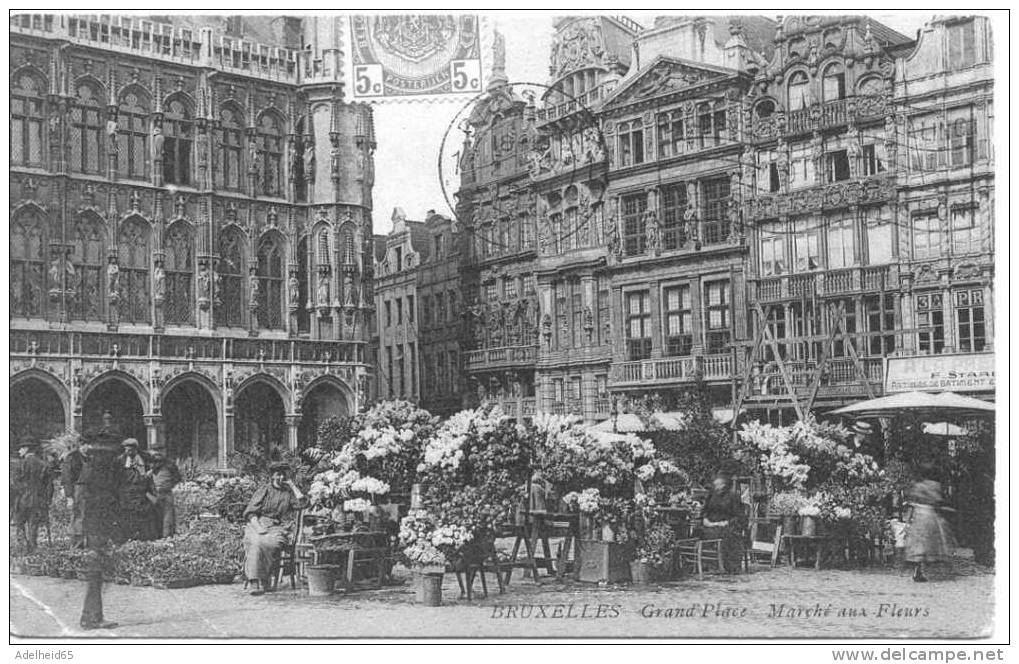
(415, 55)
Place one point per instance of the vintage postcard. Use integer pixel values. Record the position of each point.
(516, 326)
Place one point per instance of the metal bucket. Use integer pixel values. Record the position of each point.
(430, 589)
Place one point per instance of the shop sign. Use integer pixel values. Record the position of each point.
(962, 372)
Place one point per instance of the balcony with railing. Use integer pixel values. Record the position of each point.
(498, 358)
(845, 281)
(583, 101)
(671, 370)
(833, 195)
(820, 116)
(157, 346)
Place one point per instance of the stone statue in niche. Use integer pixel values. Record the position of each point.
(157, 142)
(334, 161)
(309, 160)
(348, 289)
(253, 289)
(322, 291)
(158, 282)
(293, 291)
(113, 280)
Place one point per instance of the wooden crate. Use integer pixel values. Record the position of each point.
(606, 562)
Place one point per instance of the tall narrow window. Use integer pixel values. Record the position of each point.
(179, 269)
(961, 127)
(88, 257)
(86, 132)
(715, 210)
(671, 133)
(631, 143)
(965, 234)
(303, 315)
(348, 246)
(881, 327)
(848, 322)
(678, 321)
(799, 91)
(969, 318)
(638, 326)
(873, 160)
(132, 137)
(962, 51)
(604, 310)
(27, 120)
(228, 141)
(773, 261)
(410, 308)
(270, 282)
(930, 322)
(674, 235)
(229, 302)
(806, 246)
(842, 243)
(879, 241)
(836, 165)
(270, 150)
(926, 237)
(28, 263)
(134, 257)
(718, 318)
(833, 83)
(634, 234)
(925, 150)
(179, 136)
(576, 313)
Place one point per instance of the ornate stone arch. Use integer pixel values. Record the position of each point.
(193, 376)
(116, 375)
(51, 381)
(334, 381)
(271, 381)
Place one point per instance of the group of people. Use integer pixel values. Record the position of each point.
(141, 489)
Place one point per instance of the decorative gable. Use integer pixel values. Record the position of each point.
(663, 77)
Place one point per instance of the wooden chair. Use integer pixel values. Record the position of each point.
(695, 551)
(765, 542)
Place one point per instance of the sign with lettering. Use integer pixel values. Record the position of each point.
(962, 372)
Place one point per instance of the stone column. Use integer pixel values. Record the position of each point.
(293, 422)
(153, 424)
(588, 395)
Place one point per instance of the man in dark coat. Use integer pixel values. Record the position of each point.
(70, 480)
(165, 475)
(33, 491)
(100, 484)
(136, 494)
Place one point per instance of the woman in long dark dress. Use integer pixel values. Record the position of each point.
(268, 529)
(724, 517)
(928, 537)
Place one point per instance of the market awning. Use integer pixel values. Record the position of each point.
(919, 403)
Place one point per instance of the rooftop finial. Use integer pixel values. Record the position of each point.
(498, 61)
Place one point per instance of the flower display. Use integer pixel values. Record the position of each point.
(380, 458)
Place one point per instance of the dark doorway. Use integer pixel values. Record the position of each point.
(259, 422)
(124, 405)
(191, 424)
(321, 403)
(36, 411)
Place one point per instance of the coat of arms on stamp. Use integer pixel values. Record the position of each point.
(415, 55)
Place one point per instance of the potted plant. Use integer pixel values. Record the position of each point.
(787, 505)
(808, 519)
(653, 558)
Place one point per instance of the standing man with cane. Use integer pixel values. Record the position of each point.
(100, 475)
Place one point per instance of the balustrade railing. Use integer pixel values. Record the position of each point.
(820, 116)
(503, 355)
(672, 369)
(155, 346)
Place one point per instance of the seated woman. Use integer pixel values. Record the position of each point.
(267, 530)
(723, 520)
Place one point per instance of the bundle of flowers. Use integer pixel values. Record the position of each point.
(656, 540)
(424, 543)
(475, 468)
(382, 457)
(787, 503)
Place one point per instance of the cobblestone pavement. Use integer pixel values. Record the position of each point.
(769, 603)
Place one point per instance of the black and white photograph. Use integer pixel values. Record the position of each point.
(415, 326)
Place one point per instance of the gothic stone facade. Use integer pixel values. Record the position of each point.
(190, 234)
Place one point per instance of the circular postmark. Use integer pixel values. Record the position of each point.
(559, 146)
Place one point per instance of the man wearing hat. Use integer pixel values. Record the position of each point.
(164, 475)
(135, 489)
(33, 490)
(71, 480)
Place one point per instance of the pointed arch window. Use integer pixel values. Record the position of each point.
(134, 256)
(229, 142)
(178, 130)
(230, 294)
(270, 139)
(322, 246)
(133, 137)
(86, 132)
(27, 114)
(303, 316)
(28, 263)
(88, 258)
(348, 247)
(179, 268)
(270, 282)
